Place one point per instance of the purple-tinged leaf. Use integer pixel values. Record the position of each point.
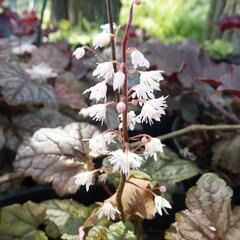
(18, 88)
(209, 214)
(56, 155)
(224, 77)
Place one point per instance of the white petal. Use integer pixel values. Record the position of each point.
(118, 80)
(79, 53)
(101, 39)
(104, 70)
(98, 92)
(138, 59)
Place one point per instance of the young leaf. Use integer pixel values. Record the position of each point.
(97, 233)
(21, 222)
(209, 214)
(56, 155)
(18, 88)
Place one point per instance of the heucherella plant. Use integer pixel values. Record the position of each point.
(128, 157)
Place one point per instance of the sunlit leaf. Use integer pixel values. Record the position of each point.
(56, 155)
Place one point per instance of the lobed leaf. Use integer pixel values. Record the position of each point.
(18, 88)
(24, 125)
(64, 217)
(169, 168)
(209, 214)
(56, 155)
(21, 222)
(116, 231)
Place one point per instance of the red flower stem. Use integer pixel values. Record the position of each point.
(125, 113)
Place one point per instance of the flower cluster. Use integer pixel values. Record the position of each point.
(150, 110)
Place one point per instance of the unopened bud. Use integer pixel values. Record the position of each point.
(163, 189)
(144, 140)
(121, 107)
(137, 2)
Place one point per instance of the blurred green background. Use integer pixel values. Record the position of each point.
(165, 20)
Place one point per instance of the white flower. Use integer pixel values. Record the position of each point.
(102, 39)
(152, 109)
(109, 137)
(98, 144)
(41, 72)
(138, 59)
(153, 147)
(118, 80)
(98, 92)
(104, 70)
(142, 92)
(79, 53)
(106, 27)
(131, 120)
(124, 161)
(107, 210)
(84, 178)
(97, 112)
(151, 79)
(161, 203)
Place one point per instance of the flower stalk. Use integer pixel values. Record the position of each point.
(125, 113)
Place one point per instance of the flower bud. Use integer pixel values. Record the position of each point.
(137, 2)
(144, 140)
(163, 189)
(121, 107)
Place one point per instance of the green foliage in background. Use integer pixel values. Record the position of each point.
(170, 20)
(219, 48)
(74, 35)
